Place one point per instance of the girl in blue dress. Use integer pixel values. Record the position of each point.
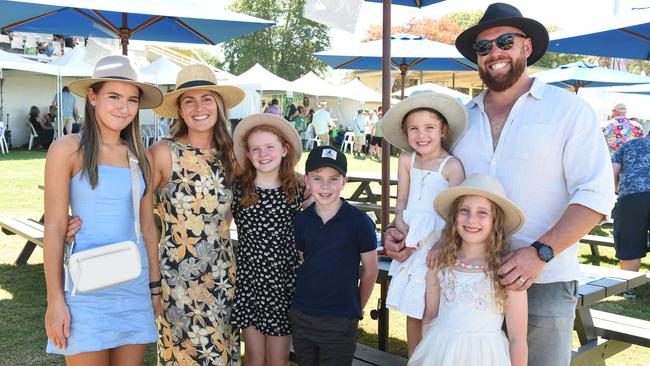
(90, 174)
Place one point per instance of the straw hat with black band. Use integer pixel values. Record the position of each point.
(288, 132)
(118, 68)
(485, 186)
(198, 77)
(448, 106)
(499, 15)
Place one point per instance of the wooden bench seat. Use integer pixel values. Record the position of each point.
(371, 356)
(28, 229)
(595, 241)
(621, 328)
(596, 352)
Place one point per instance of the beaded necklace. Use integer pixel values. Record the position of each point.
(471, 267)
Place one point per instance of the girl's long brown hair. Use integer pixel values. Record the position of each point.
(290, 180)
(444, 252)
(222, 139)
(91, 141)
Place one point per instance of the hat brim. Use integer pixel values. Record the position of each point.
(231, 96)
(448, 106)
(151, 96)
(514, 216)
(530, 27)
(252, 121)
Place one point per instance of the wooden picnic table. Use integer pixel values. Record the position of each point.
(595, 284)
(364, 192)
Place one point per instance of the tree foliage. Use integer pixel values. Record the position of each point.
(212, 59)
(440, 30)
(286, 48)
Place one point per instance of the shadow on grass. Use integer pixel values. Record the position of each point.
(23, 302)
(24, 155)
(637, 308)
(598, 259)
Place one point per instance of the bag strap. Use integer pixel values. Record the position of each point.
(135, 193)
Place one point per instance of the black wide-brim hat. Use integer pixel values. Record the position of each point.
(506, 15)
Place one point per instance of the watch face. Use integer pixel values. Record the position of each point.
(546, 253)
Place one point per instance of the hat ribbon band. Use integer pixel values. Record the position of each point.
(193, 83)
(118, 77)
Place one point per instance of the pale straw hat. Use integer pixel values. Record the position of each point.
(288, 132)
(485, 186)
(198, 77)
(119, 68)
(448, 106)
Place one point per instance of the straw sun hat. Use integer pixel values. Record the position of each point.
(290, 134)
(118, 68)
(197, 77)
(485, 186)
(446, 105)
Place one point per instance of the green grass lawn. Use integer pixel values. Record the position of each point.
(22, 288)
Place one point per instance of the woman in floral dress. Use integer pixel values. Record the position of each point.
(194, 171)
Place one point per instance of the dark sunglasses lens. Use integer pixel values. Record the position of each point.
(482, 48)
(505, 41)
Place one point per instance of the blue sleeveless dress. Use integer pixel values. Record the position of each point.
(120, 314)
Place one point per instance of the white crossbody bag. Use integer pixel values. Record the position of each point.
(110, 264)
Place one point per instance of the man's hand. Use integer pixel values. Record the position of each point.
(394, 245)
(520, 268)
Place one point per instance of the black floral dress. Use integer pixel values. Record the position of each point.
(197, 263)
(267, 260)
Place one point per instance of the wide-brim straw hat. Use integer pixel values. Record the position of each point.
(288, 132)
(119, 68)
(485, 186)
(448, 106)
(498, 15)
(198, 77)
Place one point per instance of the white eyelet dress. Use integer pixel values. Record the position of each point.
(407, 286)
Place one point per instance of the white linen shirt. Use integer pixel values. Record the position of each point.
(322, 120)
(551, 153)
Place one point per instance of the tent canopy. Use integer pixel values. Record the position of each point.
(311, 84)
(12, 61)
(581, 74)
(261, 79)
(161, 72)
(357, 90)
(73, 63)
(624, 35)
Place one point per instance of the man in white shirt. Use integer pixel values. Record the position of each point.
(544, 144)
(322, 121)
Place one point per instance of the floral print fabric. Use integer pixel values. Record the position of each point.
(619, 131)
(267, 261)
(197, 262)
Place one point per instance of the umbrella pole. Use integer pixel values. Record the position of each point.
(124, 35)
(402, 71)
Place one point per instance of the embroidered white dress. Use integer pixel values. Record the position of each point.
(467, 330)
(407, 286)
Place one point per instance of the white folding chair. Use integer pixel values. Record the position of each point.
(17, 42)
(32, 135)
(348, 142)
(310, 142)
(5, 39)
(4, 147)
(147, 135)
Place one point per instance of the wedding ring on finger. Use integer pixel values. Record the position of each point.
(523, 281)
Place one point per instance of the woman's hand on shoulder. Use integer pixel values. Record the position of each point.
(57, 323)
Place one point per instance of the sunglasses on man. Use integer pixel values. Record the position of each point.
(504, 42)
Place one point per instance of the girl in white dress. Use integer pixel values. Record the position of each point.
(465, 304)
(425, 127)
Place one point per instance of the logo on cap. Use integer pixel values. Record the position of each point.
(329, 153)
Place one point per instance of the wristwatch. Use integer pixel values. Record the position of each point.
(545, 252)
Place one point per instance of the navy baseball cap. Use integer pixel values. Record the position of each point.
(326, 156)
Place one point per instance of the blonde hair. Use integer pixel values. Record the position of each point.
(290, 180)
(222, 139)
(444, 252)
(91, 141)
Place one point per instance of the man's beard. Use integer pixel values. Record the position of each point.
(503, 82)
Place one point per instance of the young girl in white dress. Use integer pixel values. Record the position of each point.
(465, 304)
(425, 127)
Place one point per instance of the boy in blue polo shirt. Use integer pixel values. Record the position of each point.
(332, 238)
